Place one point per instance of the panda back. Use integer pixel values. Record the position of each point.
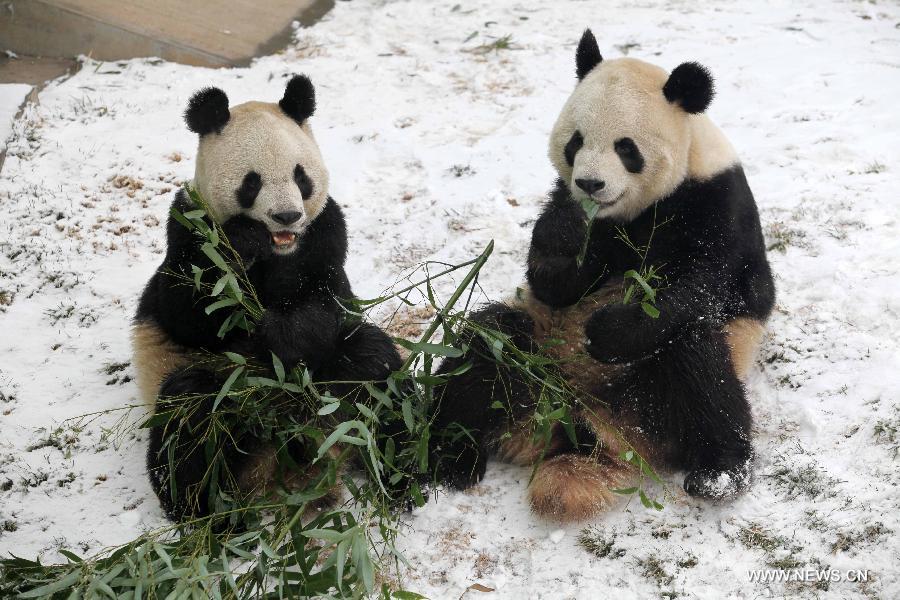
(154, 356)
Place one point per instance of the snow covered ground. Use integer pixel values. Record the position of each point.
(12, 95)
(437, 144)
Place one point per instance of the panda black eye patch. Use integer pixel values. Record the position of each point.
(249, 190)
(572, 147)
(629, 155)
(303, 182)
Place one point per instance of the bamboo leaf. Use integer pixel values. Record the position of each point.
(209, 250)
(352, 439)
(406, 595)
(52, 588)
(71, 556)
(381, 396)
(329, 535)
(366, 411)
(363, 562)
(651, 310)
(644, 499)
(328, 409)
(198, 277)
(262, 382)
(220, 304)
(341, 556)
(219, 286)
(226, 387)
(181, 218)
(236, 358)
(648, 290)
(406, 409)
(339, 431)
(428, 348)
(279, 368)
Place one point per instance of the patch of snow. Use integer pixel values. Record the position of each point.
(12, 95)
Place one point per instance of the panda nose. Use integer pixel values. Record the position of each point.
(286, 218)
(590, 185)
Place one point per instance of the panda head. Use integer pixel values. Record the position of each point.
(261, 160)
(631, 132)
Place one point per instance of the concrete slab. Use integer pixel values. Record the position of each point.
(200, 32)
(34, 70)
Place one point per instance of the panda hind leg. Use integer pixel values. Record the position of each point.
(690, 399)
(181, 491)
(574, 487)
(464, 419)
(575, 481)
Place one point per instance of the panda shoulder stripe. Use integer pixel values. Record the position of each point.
(711, 152)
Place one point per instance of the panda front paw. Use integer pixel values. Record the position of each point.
(462, 466)
(617, 333)
(560, 231)
(275, 333)
(715, 484)
(250, 238)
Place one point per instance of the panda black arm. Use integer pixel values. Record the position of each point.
(304, 317)
(624, 332)
(306, 332)
(712, 257)
(553, 272)
(170, 298)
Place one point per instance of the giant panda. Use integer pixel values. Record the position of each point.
(633, 141)
(262, 176)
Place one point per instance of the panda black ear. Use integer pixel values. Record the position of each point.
(299, 101)
(587, 56)
(690, 86)
(207, 111)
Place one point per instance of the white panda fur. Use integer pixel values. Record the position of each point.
(260, 137)
(679, 146)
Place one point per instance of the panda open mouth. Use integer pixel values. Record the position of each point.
(283, 239)
(608, 203)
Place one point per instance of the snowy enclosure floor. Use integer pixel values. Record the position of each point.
(436, 144)
(12, 95)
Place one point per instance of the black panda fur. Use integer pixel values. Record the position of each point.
(303, 323)
(672, 385)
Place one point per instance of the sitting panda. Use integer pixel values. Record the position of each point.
(260, 172)
(633, 141)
